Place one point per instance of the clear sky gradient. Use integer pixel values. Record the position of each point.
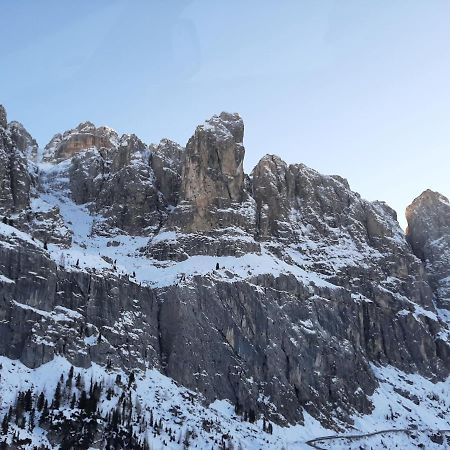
(356, 88)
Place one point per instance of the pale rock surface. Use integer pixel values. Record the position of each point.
(213, 175)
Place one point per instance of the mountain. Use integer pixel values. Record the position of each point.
(157, 296)
(429, 235)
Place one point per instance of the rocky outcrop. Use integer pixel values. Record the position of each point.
(428, 233)
(24, 141)
(215, 214)
(85, 136)
(291, 196)
(167, 160)
(270, 190)
(213, 175)
(16, 179)
(118, 185)
(85, 317)
(115, 178)
(20, 186)
(47, 225)
(334, 230)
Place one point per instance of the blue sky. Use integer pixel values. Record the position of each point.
(355, 88)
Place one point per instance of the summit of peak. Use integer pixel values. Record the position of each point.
(428, 233)
(226, 125)
(429, 203)
(428, 196)
(85, 135)
(271, 159)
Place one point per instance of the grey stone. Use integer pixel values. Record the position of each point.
(428, 232)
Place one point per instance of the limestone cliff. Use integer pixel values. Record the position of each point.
(281, 291)
(429, 235)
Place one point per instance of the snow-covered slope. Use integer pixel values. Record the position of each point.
(152, 398)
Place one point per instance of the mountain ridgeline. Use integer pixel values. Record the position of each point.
(280, 291)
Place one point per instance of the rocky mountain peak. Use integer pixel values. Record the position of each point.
(133, 142)
(224, 125)
(168, 149)
(23, 139)
(85, 126)
(271, 165)
(126, 148)
(428, 233)
(273, 168)
(428, 218)
(428, 201)
(213, 173)
(19, 136)
(85, 136)
(270, 192)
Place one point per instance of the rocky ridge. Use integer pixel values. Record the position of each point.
(265, 289)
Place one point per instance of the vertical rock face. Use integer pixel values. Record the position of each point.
(215, 213)
(15, 177)
(45, 314)
(167, 161)
(270, 191)
(213, 174)
(128, 196)
(127, 147)
(428, 233)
